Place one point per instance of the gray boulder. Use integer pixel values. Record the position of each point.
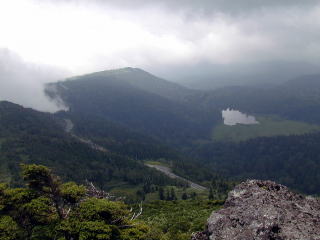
(264, 210)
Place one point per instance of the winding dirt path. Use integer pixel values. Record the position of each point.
(167, 171)
(68, 128)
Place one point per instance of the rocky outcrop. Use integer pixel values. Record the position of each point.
(261, 210)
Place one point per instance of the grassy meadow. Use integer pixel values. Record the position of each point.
(267, 127)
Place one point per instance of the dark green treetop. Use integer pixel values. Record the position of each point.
(49, 209)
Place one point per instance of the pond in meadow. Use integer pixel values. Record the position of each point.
(232, 117)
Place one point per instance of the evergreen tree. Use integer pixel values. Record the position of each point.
(141, 194)
(211, 196)
(161, 193)
(184, 196)
(193, 195)
(168, 196)
(147, 187)
(173, 195)
(49, 209)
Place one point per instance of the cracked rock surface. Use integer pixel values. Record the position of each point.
(265, 210)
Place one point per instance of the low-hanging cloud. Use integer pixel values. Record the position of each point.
(23, 83)
(163, 36)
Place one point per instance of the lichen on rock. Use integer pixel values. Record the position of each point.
(265, 210)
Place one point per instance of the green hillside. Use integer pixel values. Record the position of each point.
(267, 127)
(133, 103)
(291, 160)
(297, 99)
(125, 112)
(28, 136)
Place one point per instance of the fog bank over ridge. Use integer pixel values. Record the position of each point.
(165, 36)
(23, 83)
(201, 44)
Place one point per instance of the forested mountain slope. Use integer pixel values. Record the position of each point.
(290, 160)
(143, 103)
(117, 138)
(297, 99)
(28, 136)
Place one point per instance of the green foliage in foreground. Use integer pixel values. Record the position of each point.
(176, 220)
(48, 209)
(267, 127)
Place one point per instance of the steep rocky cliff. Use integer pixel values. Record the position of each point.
(264, 210)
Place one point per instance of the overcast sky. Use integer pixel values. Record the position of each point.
(171, 38)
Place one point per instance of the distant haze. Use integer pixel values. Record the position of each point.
(23, 83)
(183, 40)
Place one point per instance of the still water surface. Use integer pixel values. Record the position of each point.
(232, 117)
